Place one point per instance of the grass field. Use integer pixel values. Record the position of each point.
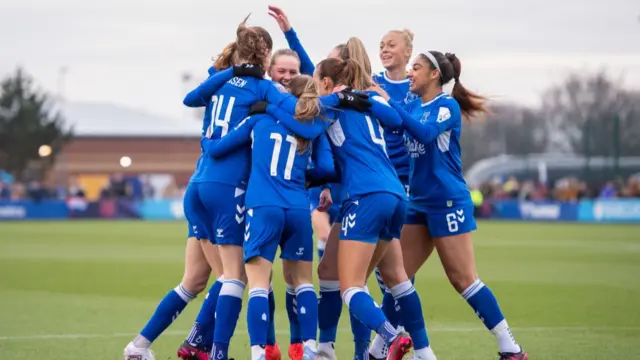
(82, 290)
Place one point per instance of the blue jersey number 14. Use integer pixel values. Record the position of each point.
(216, 108)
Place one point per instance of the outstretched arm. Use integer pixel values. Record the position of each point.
(306, 65)
(381, 110)
(307, 131)
(240, 136)
(438, 122)
(204, 91)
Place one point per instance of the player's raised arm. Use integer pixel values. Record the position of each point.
(306, 65)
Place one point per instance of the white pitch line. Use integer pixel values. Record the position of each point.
(340, 330)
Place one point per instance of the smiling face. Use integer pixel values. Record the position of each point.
(422, 75)
(284, 68)
(395, 51)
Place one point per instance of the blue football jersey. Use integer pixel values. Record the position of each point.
(231, 102)
(358, 144)
(206, 120)
(433, 139)
(398, 91)
(278, 162)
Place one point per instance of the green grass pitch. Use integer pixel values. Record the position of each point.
(82, 290)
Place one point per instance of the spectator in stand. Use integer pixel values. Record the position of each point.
(608, 191)
(117, 187)
(5, 192)
(512, 187)
(37, 192)
(75, 190)
(633, 187)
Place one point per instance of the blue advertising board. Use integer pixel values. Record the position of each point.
(535, 210)
(610, 210)
(161, 209)
(25, 210)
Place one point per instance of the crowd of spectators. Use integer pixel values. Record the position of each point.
(568, 189)
(117, 186)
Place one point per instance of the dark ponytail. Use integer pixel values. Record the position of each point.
(471, 104)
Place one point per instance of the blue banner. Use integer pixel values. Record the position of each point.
(27, 210)
(610, 210)
(161, 209)
(535, 210)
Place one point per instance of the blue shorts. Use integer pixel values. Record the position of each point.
(271, 226)
(191, 230)
(446, 222)
(372, 217)
(196, 214)
(219, 210)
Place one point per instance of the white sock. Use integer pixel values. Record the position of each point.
(424, 354)
(256, 352)
(311, 344)
(141, 342)
(378, 347)
(328, 349)
(506, 342)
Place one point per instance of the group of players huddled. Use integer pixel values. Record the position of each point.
(375, 157)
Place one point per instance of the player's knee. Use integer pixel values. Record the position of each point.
(393, 275)
(195, 284)
(461, 280)
(327, 270)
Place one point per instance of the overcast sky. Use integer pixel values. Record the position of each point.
(134, 52)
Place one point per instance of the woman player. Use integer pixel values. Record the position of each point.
(441, 210)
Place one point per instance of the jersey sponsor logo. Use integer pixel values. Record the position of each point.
(415, 148)
(444, 114)
(348, 222)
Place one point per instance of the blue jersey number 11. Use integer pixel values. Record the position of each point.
(275, 157)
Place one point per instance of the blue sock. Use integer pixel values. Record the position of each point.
(201, 334)
(361, 336)
(307, 306)
(411, 313)
(168, 310)
(329, 309)
(227, 313)
(271, 335)
(391, 309)
(361, 305)
(294, 325)
(258, 316)
(484, 304)
(381, 285)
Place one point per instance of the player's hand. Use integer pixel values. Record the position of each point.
(248, 70)
(352, 100)
(281, 18)
(376, 88)
(325, 200)
(259, 108)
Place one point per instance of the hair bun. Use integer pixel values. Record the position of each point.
(409, 33)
